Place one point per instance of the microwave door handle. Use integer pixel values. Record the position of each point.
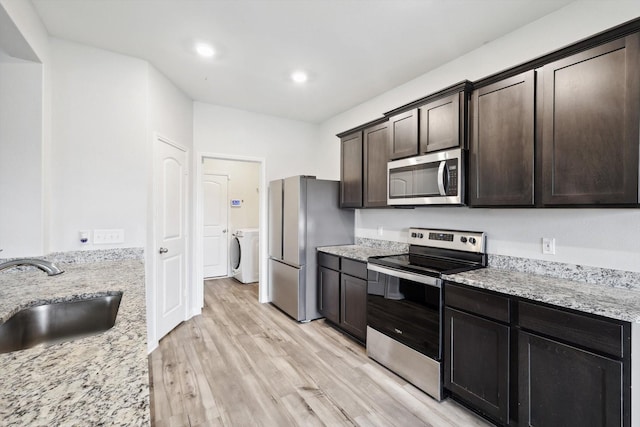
(442, 169)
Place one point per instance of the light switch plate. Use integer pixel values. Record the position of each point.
(106, 237)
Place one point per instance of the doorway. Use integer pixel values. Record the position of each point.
(245, 204)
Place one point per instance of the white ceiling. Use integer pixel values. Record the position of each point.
(352, 49)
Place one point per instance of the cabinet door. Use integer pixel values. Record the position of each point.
(440, 124)
(476, 362)
(501, 147)
(590, 113)
(376, 156)
(353, 305)
(560, 385)
(351, 171)
(403, 134)
(329, 298)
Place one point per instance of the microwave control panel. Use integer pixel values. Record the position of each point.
(452, 177)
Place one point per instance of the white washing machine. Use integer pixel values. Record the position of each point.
(245, 255)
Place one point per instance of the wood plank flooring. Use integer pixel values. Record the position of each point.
(242, 363)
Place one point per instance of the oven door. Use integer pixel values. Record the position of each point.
(407, 308)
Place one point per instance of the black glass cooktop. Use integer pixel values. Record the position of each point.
(432, 266)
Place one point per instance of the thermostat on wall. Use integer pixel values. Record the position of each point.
(236, 203)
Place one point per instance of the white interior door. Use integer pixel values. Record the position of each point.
(171, 177)
(215, 219)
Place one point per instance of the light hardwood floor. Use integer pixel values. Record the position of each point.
(242, 363)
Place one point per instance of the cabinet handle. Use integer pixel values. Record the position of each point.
(163, 250)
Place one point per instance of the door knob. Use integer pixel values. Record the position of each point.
(163, 250)
(224, 231)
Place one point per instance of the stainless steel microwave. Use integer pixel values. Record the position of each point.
(431, 179)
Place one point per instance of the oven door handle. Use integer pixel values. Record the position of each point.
(436, 282)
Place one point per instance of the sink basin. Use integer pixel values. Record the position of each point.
(62, 321)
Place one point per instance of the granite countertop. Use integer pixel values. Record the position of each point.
(359, 252)
(96, 380)
(608, 301)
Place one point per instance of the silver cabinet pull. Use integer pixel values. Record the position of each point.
(163, 250)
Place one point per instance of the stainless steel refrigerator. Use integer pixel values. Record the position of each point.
(303, 214)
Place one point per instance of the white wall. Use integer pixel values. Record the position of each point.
(99, 145)
(244, 185)
(21, 210)
(597, 237)
(287, 146)
(24, 229)
(283, 147)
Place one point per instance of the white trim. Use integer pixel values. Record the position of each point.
(263, 292)
(150, 258)
(635, 374)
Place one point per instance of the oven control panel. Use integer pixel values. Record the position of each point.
(470, 241)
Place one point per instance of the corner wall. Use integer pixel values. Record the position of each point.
(607, 238)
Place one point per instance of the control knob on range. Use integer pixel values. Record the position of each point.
(463, 239)
(472, 240)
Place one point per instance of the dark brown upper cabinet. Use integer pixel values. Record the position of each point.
(351, 170)
(403, 134)
(501, 144)
(439, 126)
(435, 122)
(365, 151)
(590, 126)
(376, 155)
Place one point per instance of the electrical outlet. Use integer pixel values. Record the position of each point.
(548, 245)
(380, 230)
(105, 237)
(84, 236)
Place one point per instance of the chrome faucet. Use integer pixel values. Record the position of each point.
(46, 266)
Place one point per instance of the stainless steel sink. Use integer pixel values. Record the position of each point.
(62, 321)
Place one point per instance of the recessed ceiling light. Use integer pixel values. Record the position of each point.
(299, 76)
(204, 50)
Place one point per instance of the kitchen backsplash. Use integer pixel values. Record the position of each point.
(77, 257)
(581, 273)
(117, 254)
(398, 247)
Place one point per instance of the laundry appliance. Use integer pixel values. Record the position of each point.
(244, 255)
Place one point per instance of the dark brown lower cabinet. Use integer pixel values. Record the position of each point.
(524, 363)
(342, 299)
(353, 305)
(477, 362)
(329, 288)
(561, 385)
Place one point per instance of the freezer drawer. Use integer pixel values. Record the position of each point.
(288, 288)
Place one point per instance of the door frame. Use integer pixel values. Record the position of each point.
(151, 262)
(263, 289)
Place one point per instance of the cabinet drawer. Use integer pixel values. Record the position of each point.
(477, 302)
(354, 268)
(598, 334)
(329, 261)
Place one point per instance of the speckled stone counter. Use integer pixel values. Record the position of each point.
(614, 302)
(358, 252)
(97, 380)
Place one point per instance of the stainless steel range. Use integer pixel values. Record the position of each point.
(404, 302)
